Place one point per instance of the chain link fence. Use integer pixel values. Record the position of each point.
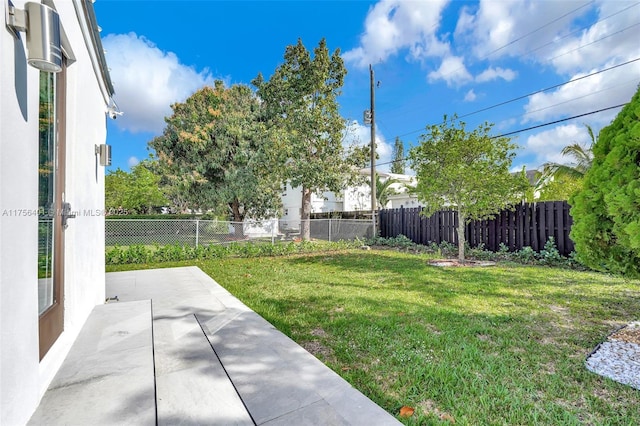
(194, 232)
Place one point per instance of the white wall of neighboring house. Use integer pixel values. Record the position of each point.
(23, 376)
(351, 198)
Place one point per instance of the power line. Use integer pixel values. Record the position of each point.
(536, 30)
(556, 40)
(577, 30)
(593, 42)
(559, 121)
(530, 128)
(555, 86)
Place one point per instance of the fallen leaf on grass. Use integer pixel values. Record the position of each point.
(447, 416)
(406, 411)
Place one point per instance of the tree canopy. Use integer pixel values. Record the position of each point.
(301, 109)
(216, 150)
(467, 171)
(136, 191)
(606, 211)
(398, 165)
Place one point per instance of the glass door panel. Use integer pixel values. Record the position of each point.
(51, 183)
(46, 192)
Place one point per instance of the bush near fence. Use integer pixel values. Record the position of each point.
(528, 225)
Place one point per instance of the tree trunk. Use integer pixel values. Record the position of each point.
(461, 222)
(305, 215)
(238, 226)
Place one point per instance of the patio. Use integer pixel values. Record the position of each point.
(177, 348)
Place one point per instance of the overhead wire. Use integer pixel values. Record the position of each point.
(549, 123)
(546, 89)
(555, 57)
(528, 34)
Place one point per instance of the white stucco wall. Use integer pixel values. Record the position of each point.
(18, 234)
(23, 378)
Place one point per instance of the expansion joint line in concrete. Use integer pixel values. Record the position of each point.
(153, 355)
(224, 369)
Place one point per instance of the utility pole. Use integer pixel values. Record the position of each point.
(374, 203)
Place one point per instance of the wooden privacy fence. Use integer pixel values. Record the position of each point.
(529, 224)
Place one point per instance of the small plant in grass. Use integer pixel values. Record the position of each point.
(550, 254)
(526, 255)
(480, 253)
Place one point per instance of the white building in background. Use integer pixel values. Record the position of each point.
(55, 95)
(351, 198)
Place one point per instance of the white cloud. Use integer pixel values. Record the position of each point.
(612, 38)
(470, 96)
(516, 27)
(547, 145)
(360, 134)
(395, 25)
(589, 94)
(147, 81)
(552, 32)
(495, 73)
(452, 71)
(133, 161)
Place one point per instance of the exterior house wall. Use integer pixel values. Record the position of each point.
(352, 198)
(23, 376)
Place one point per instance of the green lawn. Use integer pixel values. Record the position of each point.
(498, 345)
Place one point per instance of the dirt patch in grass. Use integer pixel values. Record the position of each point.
(456, 263)
(319, 350)
(429, 407)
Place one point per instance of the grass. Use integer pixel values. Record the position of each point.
(498, 345)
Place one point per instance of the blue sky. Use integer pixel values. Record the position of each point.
(431, 57)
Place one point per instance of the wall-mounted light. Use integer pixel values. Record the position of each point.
(104, 153)
(42, 25)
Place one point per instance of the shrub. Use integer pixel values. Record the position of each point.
(606, 211)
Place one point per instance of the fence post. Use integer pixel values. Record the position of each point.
(197, 232)
(329, 229)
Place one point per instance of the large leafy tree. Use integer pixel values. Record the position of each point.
(215, 149)
(468, 171)
(136, 191)
(398, 164)
(301, 109)
(606, 211)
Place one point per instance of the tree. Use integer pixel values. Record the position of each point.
(559, 188)
(384, 190)
(398, 165)
(136, 191)
(468, 171)
(301, 109)
(215, 149)
(582, 160)
(606, 211)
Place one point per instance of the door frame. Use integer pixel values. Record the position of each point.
(51, 321)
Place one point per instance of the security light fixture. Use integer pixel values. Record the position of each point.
(42, 25)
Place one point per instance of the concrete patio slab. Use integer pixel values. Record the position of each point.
(214, 361)
(113, 355)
